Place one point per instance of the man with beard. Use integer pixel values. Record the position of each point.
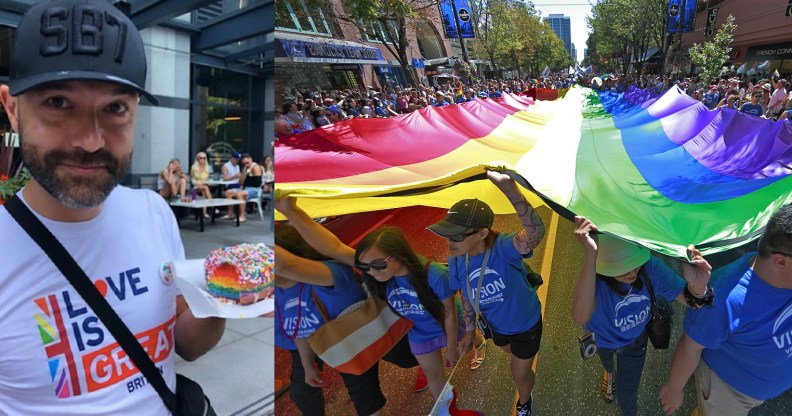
(73, 98)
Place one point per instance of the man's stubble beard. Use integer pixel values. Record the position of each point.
(74, 192)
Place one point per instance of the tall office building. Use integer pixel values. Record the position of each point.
(561, 26)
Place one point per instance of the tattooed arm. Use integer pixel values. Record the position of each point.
(533, 227)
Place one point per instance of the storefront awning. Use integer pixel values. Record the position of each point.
(651, 52)
(314, 49)
(777, 51)
(437, 61)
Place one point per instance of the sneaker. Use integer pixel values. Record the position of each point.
(608, 387)
(524, 409)
(478, 355)
(420, 381)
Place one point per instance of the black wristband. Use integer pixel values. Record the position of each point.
(696, 302)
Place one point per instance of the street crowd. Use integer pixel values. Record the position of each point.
(308, 109)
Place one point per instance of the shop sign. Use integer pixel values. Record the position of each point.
(770, 52)
(712, 15)
(302, 49)
(345, 67)
(384, 69)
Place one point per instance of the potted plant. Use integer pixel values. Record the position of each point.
(13, 176)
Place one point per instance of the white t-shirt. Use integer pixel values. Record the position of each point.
(57, 357)
(231, 169)
(777, 100)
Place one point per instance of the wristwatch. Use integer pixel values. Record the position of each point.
(697, 301)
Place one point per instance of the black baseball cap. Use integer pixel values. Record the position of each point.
(464, 215)
(48, 48)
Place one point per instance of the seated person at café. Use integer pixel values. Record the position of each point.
(172, 182)
(199, 175)
(268, 174)
(250, 182)
(230, 170)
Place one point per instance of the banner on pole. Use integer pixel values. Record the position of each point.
(712, 15)
(453, 13)
(681, 9)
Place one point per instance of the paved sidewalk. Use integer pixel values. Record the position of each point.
(237, 374)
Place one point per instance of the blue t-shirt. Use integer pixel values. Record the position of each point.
(380, 112)
(402, 297)
(281, 340)
(747, 334)
(507, 301)
(710, 100)
(750, 108)
(618, 320)
(441, 103)
(344, 292)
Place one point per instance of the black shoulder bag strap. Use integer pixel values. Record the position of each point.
(80, 281)
(648, 282)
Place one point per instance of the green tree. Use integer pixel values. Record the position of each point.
(550, 52)
(623, 30)
(709, 57)
(485, 45)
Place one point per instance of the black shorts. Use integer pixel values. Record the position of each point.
(401, 355)
(524, 345)
(364, 390)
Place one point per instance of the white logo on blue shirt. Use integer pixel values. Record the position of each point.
(629, 300)
(631, 321)
(477, 272)
(293, 302)
(783, 340)
(783, 317)
(490, 292)
(403, 291)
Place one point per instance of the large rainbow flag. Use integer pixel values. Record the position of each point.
(662, 171)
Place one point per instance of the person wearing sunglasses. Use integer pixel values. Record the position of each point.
(415, 288)
(613, 301)
(304, 275)
(504, 296)
(739, 349)
(199, 175)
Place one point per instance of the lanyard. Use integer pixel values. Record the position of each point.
(299, 313)
(482, 272)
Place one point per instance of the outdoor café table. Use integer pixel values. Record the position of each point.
(219, 185)
(209, 203)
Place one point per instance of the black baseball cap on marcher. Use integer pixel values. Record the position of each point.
(464, 215)
(48, 48)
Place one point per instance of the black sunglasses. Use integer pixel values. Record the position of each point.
(379, 264)
(458, 238)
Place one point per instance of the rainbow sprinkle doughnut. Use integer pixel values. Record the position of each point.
(232, 272)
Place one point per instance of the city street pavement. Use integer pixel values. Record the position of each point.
(565, 383)
(237, 374)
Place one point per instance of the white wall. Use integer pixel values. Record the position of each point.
(163, 132)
